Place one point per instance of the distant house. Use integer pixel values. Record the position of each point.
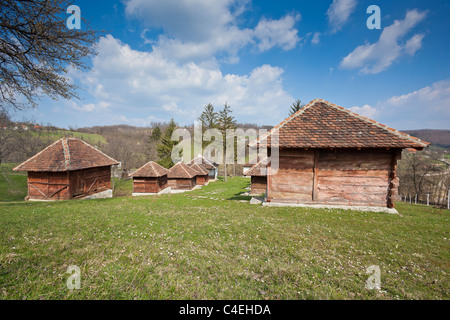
(202, 174)
(151, 178)
(182, 177)
(67, 169)
(209, 164)
(258, 175)
(329, 155)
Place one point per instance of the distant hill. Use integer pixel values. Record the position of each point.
(439, 138)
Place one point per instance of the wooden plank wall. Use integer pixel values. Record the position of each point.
(149, 185)
(48, 185)
(340, 177)
(182, 184)
(294, 179)
(95, 179)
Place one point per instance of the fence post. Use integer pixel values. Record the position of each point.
(410, 199)
(415, 199)
(428, 199)
(448, 200)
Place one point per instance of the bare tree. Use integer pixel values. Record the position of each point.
(36, 47)
(120, 149)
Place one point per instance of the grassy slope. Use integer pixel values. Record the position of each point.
(206, 244)
(91, 138)
(13, 185)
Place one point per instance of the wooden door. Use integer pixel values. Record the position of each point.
(77, 183)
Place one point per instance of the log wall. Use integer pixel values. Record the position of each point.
(337, 177)
(149, 185)
(182, 184)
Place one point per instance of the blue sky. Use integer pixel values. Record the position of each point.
(167, 59)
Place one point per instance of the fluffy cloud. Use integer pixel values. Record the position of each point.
(414, 110)
(339, 12)
(271, 33)
(366, 111)
(198, 29)
(146, 84)
(377, 57)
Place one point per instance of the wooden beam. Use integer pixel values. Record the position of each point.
(315, 175)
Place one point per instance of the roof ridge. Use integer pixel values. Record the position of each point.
(37, 154)
(349, 112)
(66, 152)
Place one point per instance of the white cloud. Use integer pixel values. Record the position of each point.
(419, 109)
(377, 57)
(316, 38)
(282, 33)
(142, 84)
(366, 111)
(339, 12)
(195, 30)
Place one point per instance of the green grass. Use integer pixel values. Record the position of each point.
(212, 244)
(13, 185)
(91, 138)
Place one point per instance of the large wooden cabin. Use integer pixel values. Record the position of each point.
(69, 168)
(329, 155)
(151, 178)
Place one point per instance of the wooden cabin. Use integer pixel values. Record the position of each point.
(258, 178)
(250, 164)
(331, 156)
(67, 169)
(151, 178)
(209, 164)
(202, 174)
(182, 177)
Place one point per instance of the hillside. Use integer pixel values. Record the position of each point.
(440, 138)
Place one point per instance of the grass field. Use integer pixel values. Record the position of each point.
(212, 244)
(91, 138)
(13, 185)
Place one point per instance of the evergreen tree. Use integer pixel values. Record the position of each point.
(297, 105)
(166, 145)
(208, 118)
(156, 134)
(226, 121)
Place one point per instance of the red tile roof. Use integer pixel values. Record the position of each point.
(258, 170)
(181, 171)
(207, 163)
(322, 124)
(201, 170)
(66, 154)
(150, 170)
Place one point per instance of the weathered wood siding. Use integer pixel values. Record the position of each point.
(294, 179)
(202, 180)
(338, 177)
(48, 185)
(258, 185)
(182, 184)
(149, 185)
(93, 180)
(67, 185)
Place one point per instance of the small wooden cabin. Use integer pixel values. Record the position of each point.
(202, 174)
(182, 177)
(250, 164)
(151, 178)
(331, 156)
(67, 169)
(209, 164)
(258, 175)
